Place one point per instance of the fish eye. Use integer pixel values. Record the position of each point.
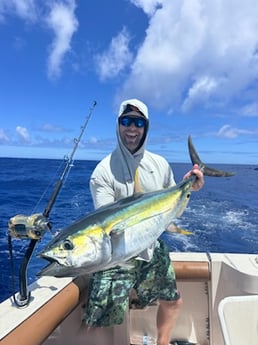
(68, 245)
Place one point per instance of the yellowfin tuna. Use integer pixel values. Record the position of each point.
(115, 233)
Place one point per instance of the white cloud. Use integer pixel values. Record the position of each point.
(23, 134)
(229, 132)
(48, 127)
(116, 58)
(196, 52)
(200, 90)
(63, 22)
(93, 140)
(148, 6)
(25, 9)
(3, 136)
(59, 17)
(250, 110)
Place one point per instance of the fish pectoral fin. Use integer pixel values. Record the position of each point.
(118, 230)
(172, 227)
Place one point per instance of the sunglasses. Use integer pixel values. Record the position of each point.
(126, 121)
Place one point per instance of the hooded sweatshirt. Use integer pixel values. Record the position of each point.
(114, 177)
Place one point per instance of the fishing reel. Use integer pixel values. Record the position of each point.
(28, 227)
(33, 227)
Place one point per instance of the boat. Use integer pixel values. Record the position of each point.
(219, 291)
(220, 303)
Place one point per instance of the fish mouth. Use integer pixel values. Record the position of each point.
(54, 268)
(51, 269)
(52, 257)
(46, 257)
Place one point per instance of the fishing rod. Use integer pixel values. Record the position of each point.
(33, 227)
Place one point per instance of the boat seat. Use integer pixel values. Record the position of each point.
(239, 319)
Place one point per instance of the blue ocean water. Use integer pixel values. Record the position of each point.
(223, 216)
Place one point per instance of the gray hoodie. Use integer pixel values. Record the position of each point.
(113, 177)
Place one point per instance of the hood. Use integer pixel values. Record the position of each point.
(131, 161)
(142, 108)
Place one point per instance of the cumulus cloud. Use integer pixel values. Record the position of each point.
(200, 90)
(23, 134)
(63, 22)
(148, 6)
(196, 53)
(117, 57)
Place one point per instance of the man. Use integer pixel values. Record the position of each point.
(129, 169)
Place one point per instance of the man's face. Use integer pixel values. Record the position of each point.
(131, 133)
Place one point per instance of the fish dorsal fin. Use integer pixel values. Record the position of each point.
(137, 184)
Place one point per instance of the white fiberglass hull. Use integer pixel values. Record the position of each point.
(220, 300)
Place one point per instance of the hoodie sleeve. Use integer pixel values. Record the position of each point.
(101, 187)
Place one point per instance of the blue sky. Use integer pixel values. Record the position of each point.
(194, 63)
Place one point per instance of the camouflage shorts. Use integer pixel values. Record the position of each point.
(110, 290)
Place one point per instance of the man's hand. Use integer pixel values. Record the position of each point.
(199, 182)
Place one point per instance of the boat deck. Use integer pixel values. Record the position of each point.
(54, 314)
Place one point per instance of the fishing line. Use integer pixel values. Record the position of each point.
(10, 247)
(50, 185)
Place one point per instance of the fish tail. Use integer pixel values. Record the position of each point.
(207, 171)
